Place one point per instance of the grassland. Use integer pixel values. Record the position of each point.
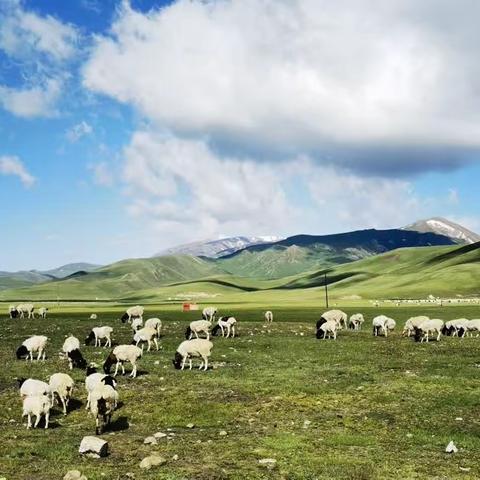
(379, 408)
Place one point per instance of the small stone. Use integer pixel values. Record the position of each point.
(156, 362)
(190, 425)
(409, 435)
(150, 441)
(152, 461)
(465, 469)
(223, 433)
(459, 419)
(268, 462)
(451, 448)
(93, 447)
(175, 457)
(306, 423)
(74, 475)
(159, 435)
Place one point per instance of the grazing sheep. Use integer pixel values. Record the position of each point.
(356, 321)
(337, 316)
(154, 323)
(148, 335)
(226, 325)
(93, 379)
(37, 405)
(432, 326)
(103, 401)
(382, 324)
(198, 347)
(42, 312)
(13, 312)
(71, 347)
(137, 323)
(121, 354)
(329, 328)
(452, 327)
(93, 316)
(100, 333)
(468, 327)
(132, 312)
(26, 308)
(32, 387)
(62, 385)
(269, 316)
(37, 343)
(209, 313)
(198, 326)
(413, 322)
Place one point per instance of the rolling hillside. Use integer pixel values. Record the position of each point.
(302, 253)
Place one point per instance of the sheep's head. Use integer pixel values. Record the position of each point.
(111, 359)
(90, 338)
(22, 352)
(109, 380)
(91, 369)
(124, 317)
(177, 361)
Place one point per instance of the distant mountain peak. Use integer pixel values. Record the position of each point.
(216, 248)
(443, 226)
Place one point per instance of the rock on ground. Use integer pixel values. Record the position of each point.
(152, 461)
(93, 446)
(150, 441)
(74, 475)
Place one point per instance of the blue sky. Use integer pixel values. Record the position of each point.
(129, 127)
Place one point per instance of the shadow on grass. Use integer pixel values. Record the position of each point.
(118, 425)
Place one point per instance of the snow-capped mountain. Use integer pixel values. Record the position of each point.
(217, 248)
(442, 226)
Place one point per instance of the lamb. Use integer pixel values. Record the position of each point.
(103, 402)
(423, 331)
(37, 405)
(382, 324)
(132, 312)
(329, 328)
(93, 379)
(32, 387)
(411, 323)
(198, 347)
(356, 321)
(209, 313)
(99, 333)
(62, 385)
(226, 325)
(198, 326)
(154, 323)
(71, 347)
(137, 323)
(148, 335)
(121, 354)
(269, 316)
(26, 308)
(42, 312)
(13, 312)
(37, 343)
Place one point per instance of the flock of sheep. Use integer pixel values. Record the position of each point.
(102, 395)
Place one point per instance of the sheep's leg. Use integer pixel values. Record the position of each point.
(156, 343)
(335, 335)
(43, 355)
(205, 359)
(196, 334)
(438, 336)
(201, 365)
(47, 418)
(148, 343)
(134, 371)
(123, 368)
(29, 421)
(88, 401)
(109, 342)
(116, 369)
(64, 403)
(190, 360)
(37, 421)
(233, 331)
(184, 360)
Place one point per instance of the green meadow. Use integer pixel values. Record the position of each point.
(356, 408)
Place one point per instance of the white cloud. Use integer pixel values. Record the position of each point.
(78, 131)
(299, 75)
(30, 102)
(10, 165)
(24, 33)
(453, 197)
(103, 174)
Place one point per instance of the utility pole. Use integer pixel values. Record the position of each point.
(326, 291)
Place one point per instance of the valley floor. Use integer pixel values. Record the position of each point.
(356, 408)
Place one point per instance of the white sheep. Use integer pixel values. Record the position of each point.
(208, 313)
(452, 327)
(71, 347)
(198, 326)
(103, 401)
(62, 385)
(382, 324)
(32, 387)
(121, 354)
(137, 323)
(36, 343)
(356, 321)
(226, 325)
(341, 318)
(412, 323)
(26, 308)
(155, 323)
(148, 335)
(132, 312)
(198, 347)
(431, 326)
(329, 328)
(472, 326)
(100, 333)
(42, 312)
(93, 379)
(269, 316)
(37, 405)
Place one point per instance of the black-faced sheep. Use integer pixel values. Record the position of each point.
(198, 347)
